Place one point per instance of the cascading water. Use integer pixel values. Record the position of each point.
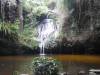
(49, 28)
(46, 29)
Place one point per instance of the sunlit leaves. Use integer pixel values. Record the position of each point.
(8, 31)
(45, 66)
(36, 6)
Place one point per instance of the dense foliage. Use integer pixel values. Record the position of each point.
(32, 17)
(45, 66)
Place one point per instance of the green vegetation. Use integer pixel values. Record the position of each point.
(23, 29)
(27, 37)
(9, 31)
(19, 23)
(45, 66)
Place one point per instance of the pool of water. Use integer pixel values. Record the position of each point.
(72, 64)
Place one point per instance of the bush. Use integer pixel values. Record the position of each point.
(8, 31)
(45, 66)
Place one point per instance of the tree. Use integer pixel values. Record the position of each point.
(20, 15)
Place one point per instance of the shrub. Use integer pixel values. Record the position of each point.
(45, 66)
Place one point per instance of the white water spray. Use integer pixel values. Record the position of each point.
(46, 29)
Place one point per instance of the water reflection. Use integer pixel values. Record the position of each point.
(19, 65)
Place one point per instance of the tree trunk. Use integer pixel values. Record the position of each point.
(20, 13)
(2, 10)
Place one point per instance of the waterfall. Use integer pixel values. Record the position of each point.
(46, 29)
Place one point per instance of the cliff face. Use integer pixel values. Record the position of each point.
(83, 21)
